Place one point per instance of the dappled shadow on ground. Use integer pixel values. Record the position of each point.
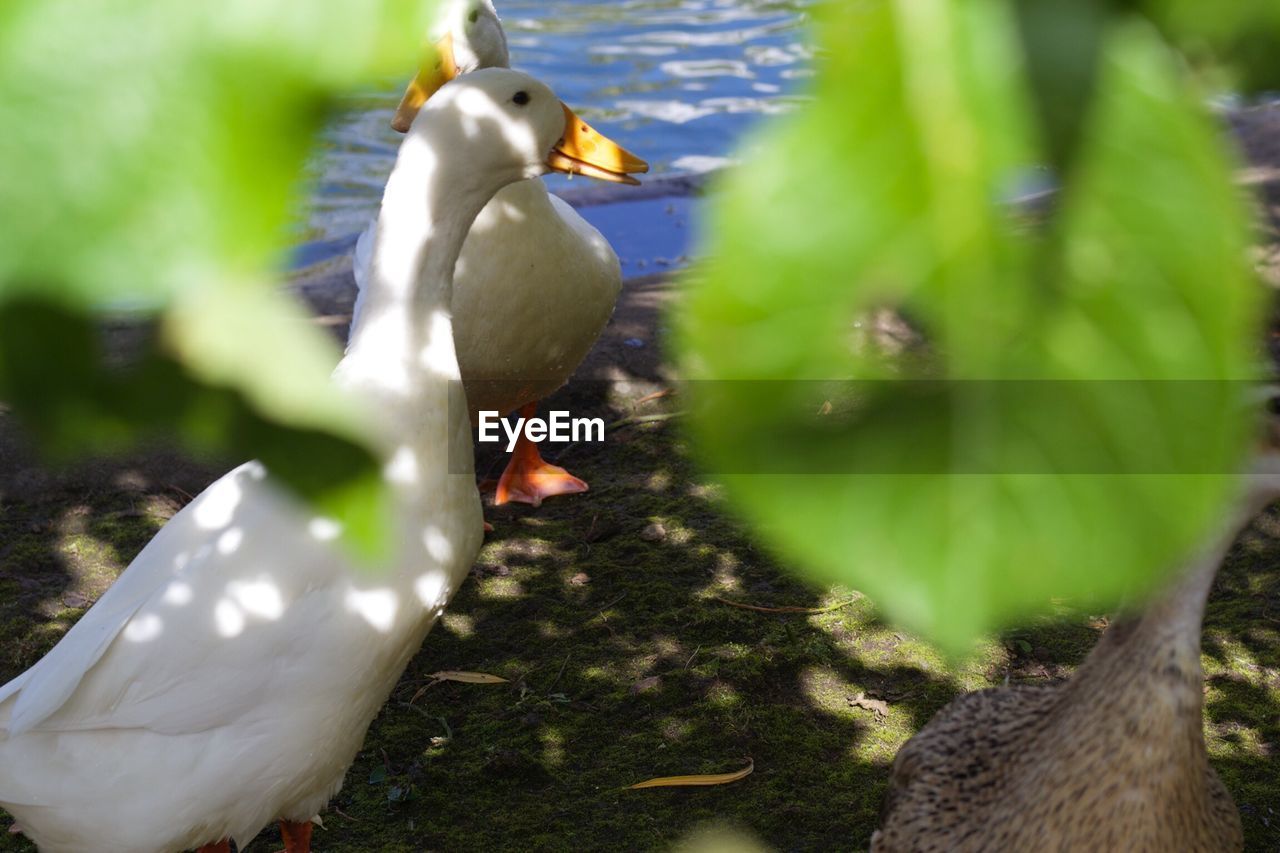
(603, 612)
(1242, 667)
(607, 612)
(617, 618)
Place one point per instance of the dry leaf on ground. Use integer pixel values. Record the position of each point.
(694, 781)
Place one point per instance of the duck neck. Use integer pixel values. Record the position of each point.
(421, 228)
(1141, 688)
(1169, 626)
(1163, 639)
(401, 355)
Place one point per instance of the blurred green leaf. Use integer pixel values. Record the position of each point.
(1237, 43)
(1060, 42)
(153, 154)
(1076, 422)
(1242, 36)
(53, 371)
(155, 147)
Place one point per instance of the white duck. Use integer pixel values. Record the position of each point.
(535, 284)
(229, 675)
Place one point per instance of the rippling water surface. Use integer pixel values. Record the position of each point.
(677, 82)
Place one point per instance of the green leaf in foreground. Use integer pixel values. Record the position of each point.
(1076, 421)
(1060, 44)
(108, 408)
(1242, 36)
(153, 151)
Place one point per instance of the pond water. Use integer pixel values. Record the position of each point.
(676, 81)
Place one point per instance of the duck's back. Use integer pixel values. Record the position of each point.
(1030, 768)
(225, 680)
(950, 778)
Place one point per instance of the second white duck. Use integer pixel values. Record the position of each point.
(535, 283)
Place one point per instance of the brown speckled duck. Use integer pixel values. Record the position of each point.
(1112, 759)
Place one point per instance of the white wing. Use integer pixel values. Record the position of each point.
(197, 625)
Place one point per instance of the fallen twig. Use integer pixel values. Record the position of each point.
(183, 492)
(640, 420)
(459, 677)
(469, 677)
(810, 610)
(559, 674)
(610, 604)
(656, 395)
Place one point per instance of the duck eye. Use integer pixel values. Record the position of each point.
(474, 16)
(521, 98)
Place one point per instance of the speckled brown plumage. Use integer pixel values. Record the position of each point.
(1112, 759)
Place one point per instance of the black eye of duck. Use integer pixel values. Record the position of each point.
(474, 16)
(521, 98)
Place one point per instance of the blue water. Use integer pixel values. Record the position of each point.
(676, 81)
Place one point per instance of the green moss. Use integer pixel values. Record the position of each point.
(625, 666)
(1242, 669)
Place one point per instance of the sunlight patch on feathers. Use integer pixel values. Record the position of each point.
(439, 548)
(403, 467)
(229, 618)
(324, 529)
(143, 628)
(432, 589)
(378, 607)
(259, 598)
(217, 505)
(178, 594)
(230, 541)
(438, 354)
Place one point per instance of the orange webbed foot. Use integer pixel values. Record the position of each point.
(296, 835)
(533, 485)
(529, 478)
(223, 846)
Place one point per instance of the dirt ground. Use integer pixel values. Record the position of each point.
(613, 615)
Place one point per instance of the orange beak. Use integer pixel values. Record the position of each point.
(584, 151)
(430, 78)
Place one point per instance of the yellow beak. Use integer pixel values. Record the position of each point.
(431, 77)
(585, 151)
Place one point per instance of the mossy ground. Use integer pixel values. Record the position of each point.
(605, 612)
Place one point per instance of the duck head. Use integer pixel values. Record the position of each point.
(472, 39)
(514, 128)
(467, 37)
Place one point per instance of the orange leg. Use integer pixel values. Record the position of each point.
(297, 836)
(223, 846)
(529, 478)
